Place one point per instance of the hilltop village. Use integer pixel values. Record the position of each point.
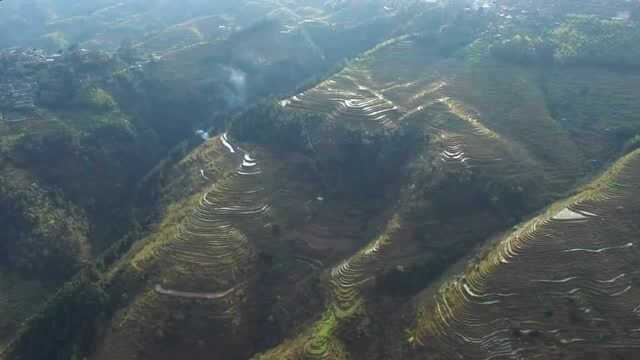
(31, 79)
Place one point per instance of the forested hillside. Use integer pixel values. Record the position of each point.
(319, 179)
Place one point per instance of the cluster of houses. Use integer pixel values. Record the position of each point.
(24, 71)
(18, 82)
(18, 95)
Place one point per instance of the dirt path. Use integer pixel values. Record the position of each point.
(193, 295)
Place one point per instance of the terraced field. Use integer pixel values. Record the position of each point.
(254, 240)
(201, 297)
(359, 94)
(559, 287)
(490, 119)
(489, 129)
(466, 144)
(491, 123)
(209, 242)
(206, 269)
(345, 301)
(512, 103)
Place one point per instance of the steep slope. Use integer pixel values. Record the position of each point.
(313, 227)
(560, 287)
(239, 215)
(468, 112)
(205, 256)
(495, 152)
(20, 299)
(204, 269)
(87, 125)
(44, 242)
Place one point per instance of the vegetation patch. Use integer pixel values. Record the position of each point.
(65, 328)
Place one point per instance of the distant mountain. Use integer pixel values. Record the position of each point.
(159, 25)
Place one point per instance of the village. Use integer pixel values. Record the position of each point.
(33, 78)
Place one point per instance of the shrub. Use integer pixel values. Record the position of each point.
(97, 98)
(588, 39)
(632, 144)
(65, 328)
(270, 124)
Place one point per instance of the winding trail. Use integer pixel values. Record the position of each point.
(194, 295)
